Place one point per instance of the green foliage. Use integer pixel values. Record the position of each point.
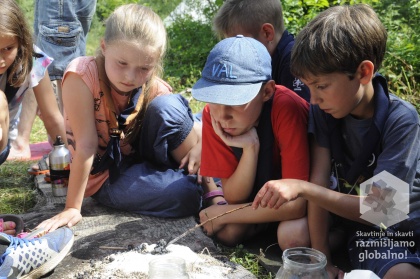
(248, 260)
(162, 7)
(190, 43)
(402, 20)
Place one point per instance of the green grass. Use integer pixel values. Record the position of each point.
(248, 260)
(17, 192)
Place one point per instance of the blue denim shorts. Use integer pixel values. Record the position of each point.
(156, 186)
(60, 29)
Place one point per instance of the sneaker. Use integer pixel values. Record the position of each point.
(33, 258)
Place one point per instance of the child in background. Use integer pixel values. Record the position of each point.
(22, 66)
(127, 134)
(363, 130)
(263, 21)
(60, 30)
(253, 131)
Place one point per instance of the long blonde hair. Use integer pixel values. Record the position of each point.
(13, 23)
(140, 25)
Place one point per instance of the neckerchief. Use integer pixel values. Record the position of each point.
(117, 123)
(361, 167)
(265, 167)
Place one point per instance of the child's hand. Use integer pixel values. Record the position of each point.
(274, 193)
(248, 139)
(69, 217)
(334, 272)
(193, 161)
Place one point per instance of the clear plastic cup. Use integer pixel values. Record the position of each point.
(168, 267)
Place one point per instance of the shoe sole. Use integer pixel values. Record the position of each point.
(50, 265)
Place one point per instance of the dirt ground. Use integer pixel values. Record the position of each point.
(107, 241)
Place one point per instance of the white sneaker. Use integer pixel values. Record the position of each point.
(33, 258)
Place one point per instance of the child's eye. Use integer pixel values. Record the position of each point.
(7, 48)
(321, 87)
(122, 63)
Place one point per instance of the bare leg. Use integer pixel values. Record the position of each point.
(20, 147)
(56, 84)
(4, 121)
(293, 233)
(405, 270)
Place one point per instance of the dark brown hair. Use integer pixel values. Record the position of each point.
(338, 40)
(13, 23)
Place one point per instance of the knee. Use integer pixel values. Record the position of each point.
(293, 233)
(409, 270)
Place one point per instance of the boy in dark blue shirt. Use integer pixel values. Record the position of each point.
(367, 134)
(263, 21)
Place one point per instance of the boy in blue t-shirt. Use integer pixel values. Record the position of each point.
(363, 130)
(263, 21)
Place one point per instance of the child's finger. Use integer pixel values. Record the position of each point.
(183, 162)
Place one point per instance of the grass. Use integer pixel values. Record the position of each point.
(250, 261)
(17, 192)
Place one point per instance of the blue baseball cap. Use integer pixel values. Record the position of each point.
(234, 72)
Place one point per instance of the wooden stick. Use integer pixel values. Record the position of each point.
(205, 222)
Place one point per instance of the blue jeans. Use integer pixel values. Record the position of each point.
(156, 186)
(60, 29)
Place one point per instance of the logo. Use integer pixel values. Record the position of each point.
(297, 84)
(384, 200)
(225, 69)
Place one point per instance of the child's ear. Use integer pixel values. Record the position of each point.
(103, 46)
(268, 32)
(366, 71)
(269, 89)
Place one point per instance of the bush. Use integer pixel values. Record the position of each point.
(189, 44)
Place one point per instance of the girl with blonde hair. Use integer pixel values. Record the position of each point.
(128, 135)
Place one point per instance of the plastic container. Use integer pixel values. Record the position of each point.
(168, 267)
(59, 168)
(302, 262)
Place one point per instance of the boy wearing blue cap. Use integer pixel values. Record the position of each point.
(365, 132)
(253, 131)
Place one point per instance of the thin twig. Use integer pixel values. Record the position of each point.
(205, 222)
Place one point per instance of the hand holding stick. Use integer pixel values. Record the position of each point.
(205, 222)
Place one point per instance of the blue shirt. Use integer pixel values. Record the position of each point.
(281, 67)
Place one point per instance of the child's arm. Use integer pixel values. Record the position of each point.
(4, 121)
(78, 104)
(193, 159)
(238, 187)
(51, 115)
(318, 218)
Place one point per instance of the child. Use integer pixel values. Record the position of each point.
(352, 115)
(124, 155)
(60, 29)
(22, 66)
(253, 131)
(263, 21)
